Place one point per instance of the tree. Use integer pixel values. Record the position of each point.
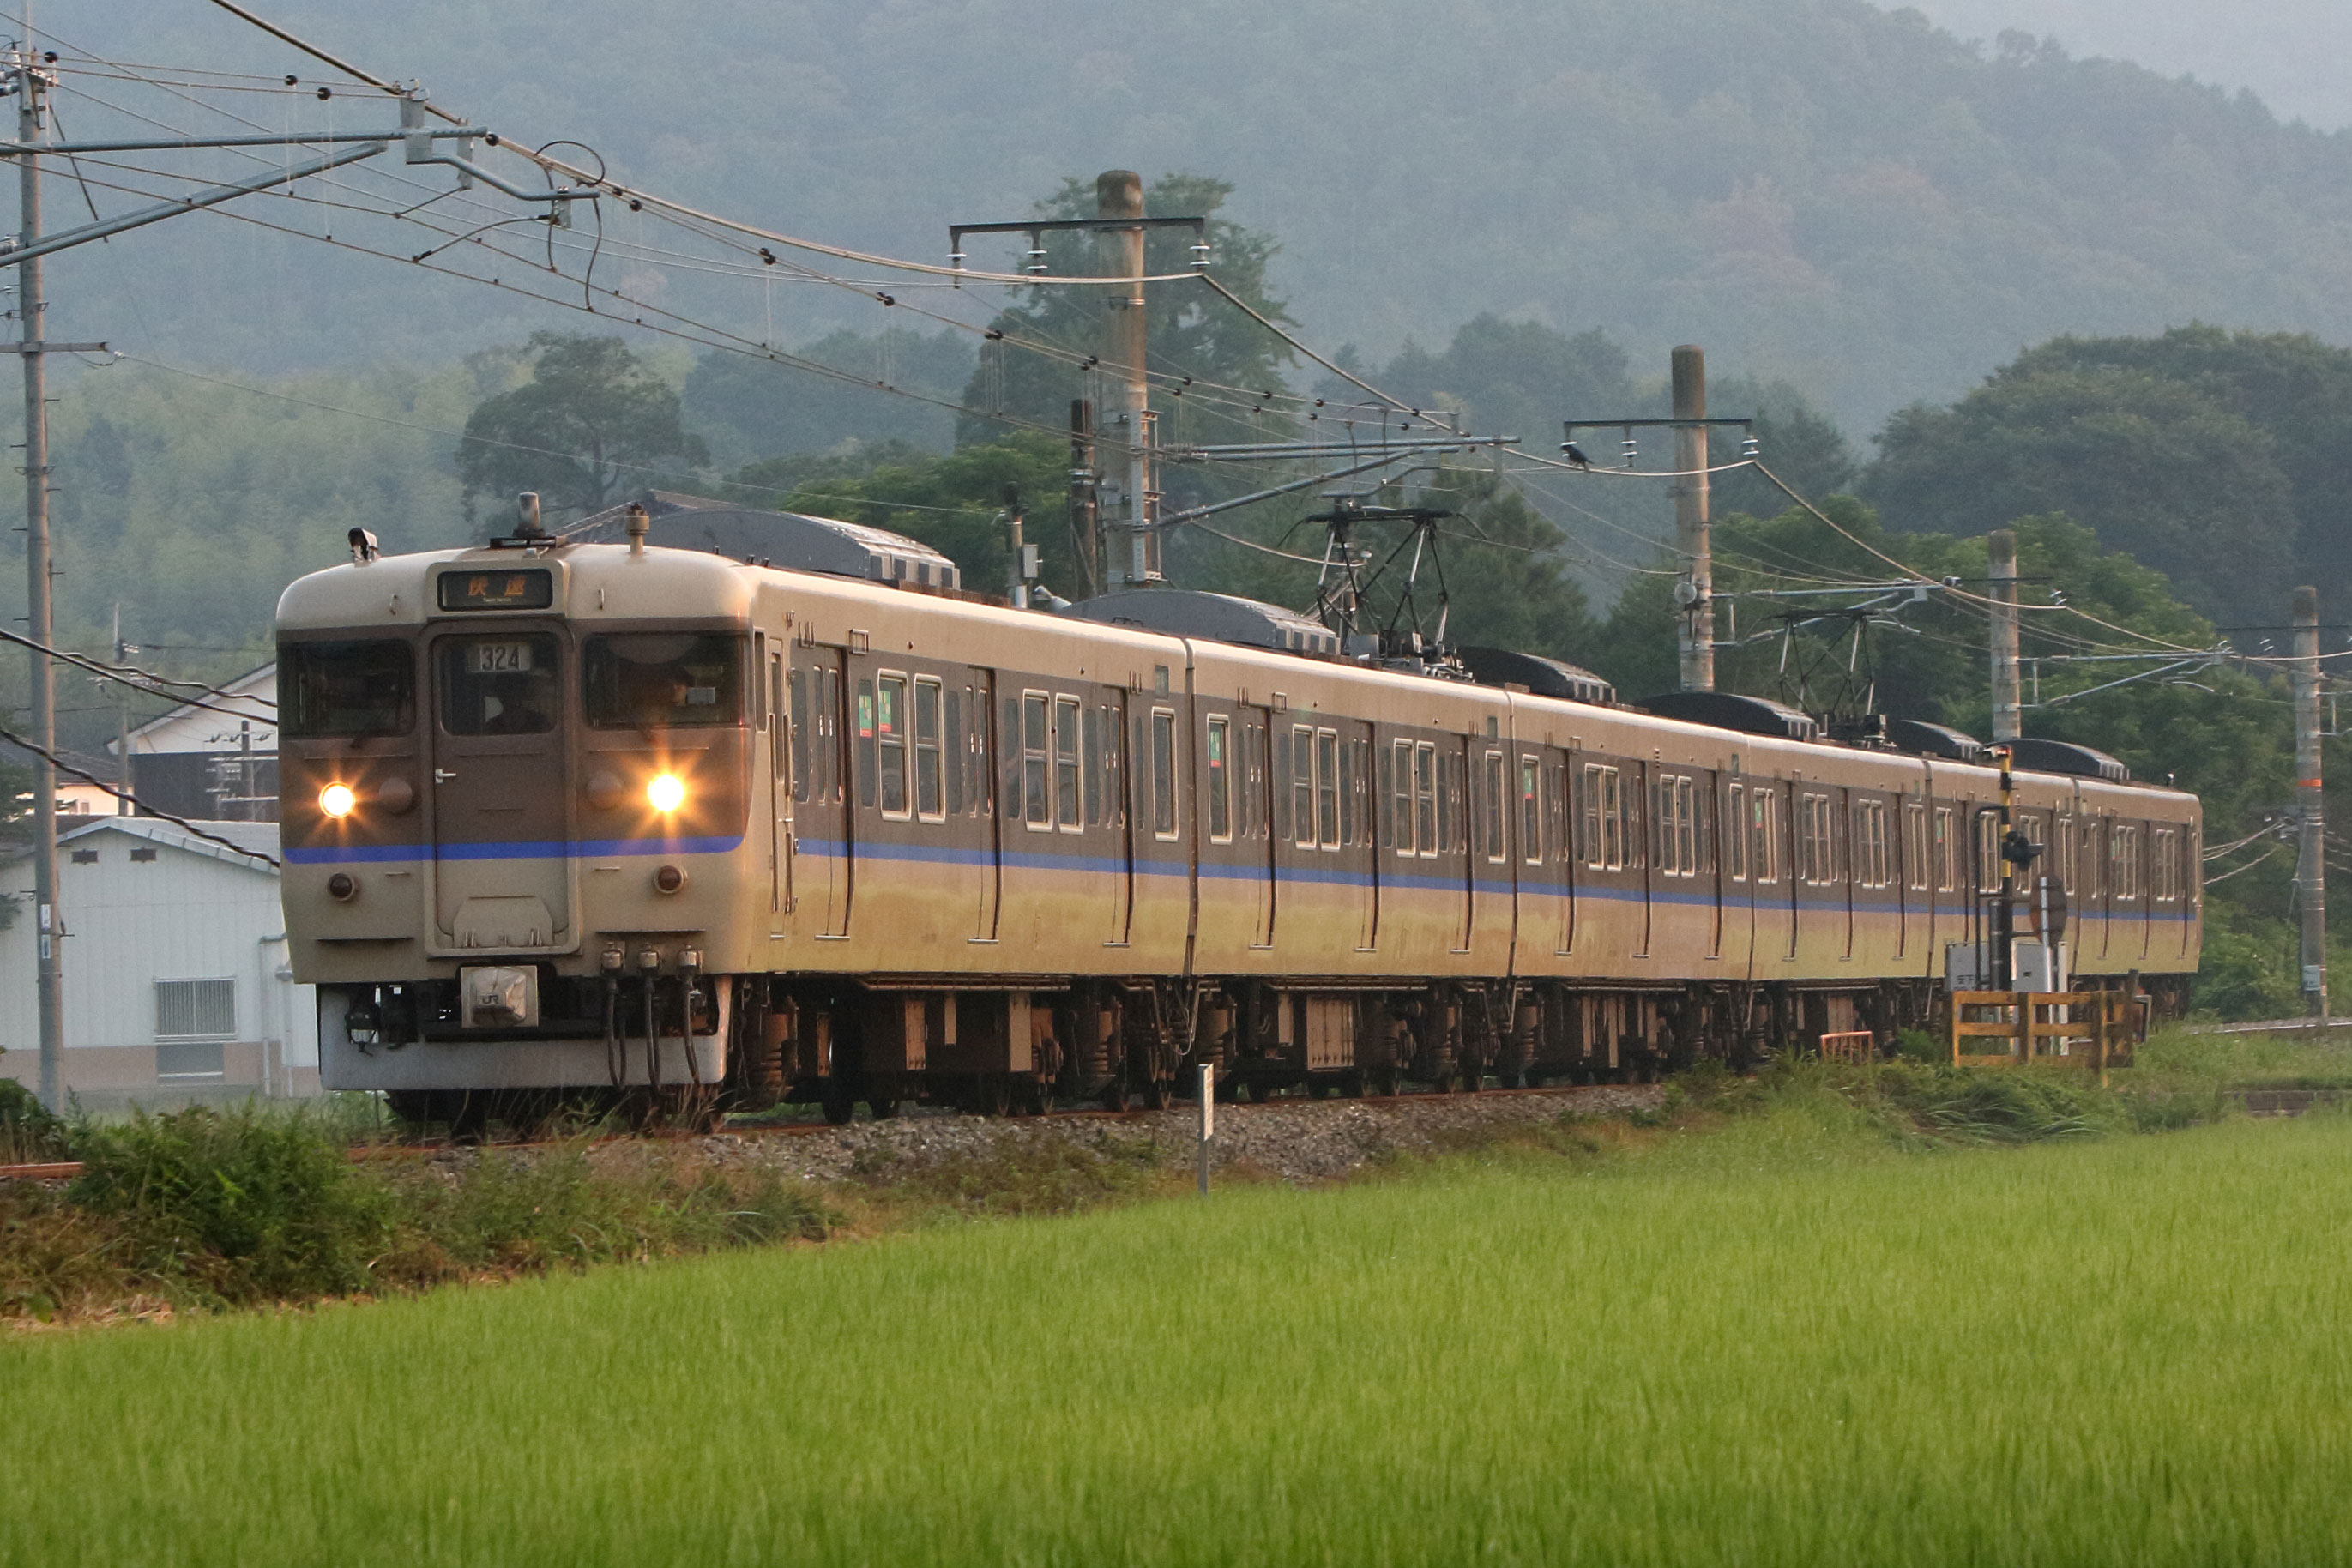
(2218, 459)
(1194, 331)
(594, 418)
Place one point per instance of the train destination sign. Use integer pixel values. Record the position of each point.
(509, 590)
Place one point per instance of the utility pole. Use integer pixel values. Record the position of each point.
(2311, 861)
(1132, 553)
(2007, 723)
(123, 780)
(1086, 534)
(31, 85)
(1695, 636)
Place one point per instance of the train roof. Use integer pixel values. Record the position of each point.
(705, 584)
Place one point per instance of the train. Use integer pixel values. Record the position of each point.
(776, 811)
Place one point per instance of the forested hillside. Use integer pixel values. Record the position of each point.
(1820, 191)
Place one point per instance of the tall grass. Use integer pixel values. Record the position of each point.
(1782, 1342)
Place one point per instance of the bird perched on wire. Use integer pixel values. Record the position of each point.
(1575, 455)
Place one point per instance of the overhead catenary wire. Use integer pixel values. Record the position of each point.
(142, 680)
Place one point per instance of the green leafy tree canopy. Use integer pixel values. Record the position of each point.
(594, 418)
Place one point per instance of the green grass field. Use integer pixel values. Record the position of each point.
(1780, 1341)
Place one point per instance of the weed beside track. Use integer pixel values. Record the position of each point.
(204, 1210)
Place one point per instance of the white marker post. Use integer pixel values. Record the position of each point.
(1208, 1118)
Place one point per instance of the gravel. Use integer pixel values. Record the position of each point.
(1300, 1142)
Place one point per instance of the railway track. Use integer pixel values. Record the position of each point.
(67, 1170)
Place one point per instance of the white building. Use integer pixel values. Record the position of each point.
(214, 762)
(176, 977)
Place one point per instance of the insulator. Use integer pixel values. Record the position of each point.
(1749, 447)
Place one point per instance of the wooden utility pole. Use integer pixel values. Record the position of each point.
(2007, 713)
(1085, 533)
(1131, 550)
(1695, 593)
(32, 87)
(2311, 859)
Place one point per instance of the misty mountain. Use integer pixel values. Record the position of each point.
(1824, 193)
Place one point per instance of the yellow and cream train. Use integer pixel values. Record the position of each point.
(684, 825)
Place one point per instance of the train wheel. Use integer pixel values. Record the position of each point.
(1036, 1096)
(995, 1095)
(1352, 1083)
(1385, 1083)
(1114, 1095)
(1158, 1094)
(838, 1105)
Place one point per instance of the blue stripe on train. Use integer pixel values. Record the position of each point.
(1028, 860)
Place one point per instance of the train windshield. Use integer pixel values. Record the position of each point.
(335, 690)
(663, 680)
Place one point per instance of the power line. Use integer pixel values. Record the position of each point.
(65, 767)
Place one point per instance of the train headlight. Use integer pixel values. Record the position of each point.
(666, 793)
(336, 800)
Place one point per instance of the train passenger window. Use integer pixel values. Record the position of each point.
(2164, 860)
(930, 792)
(1326, 788)
(1677, 826)
(1032, 801)
(1531, 810)
(1099, 732)
(1398, 813)
(1219, 762)
(1163, 773)
(1915, 846)
(1221, 779)
(1987, 852)
(1556, 808)
(498, 685)
(1735, 814)
(1604, 818)
(1871, 867)
(1764, 836)
(1302, 785)
(890, 731)
(1453, 832)
(345, 689)
(960, 752)
(2125, 858)
(1355, 756)
(1947, 852)
(647, 680)
(1490, 807)
(1814, 863)
(1069, 800)
(775, 721)
(1424, 800)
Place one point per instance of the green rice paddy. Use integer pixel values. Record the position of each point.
(1781, 1342)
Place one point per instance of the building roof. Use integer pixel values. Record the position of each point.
(262, 837)
(187, 728)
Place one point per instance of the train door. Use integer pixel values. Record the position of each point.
(1259, 784)
(1638, 813)
(502, 868)
(1453, 807)
(818, 689)
(1847, 856)
(973, 723)
(1559, 767)
(775, 721)
(1785, 810)
(1114, 813)
(1359, 852)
